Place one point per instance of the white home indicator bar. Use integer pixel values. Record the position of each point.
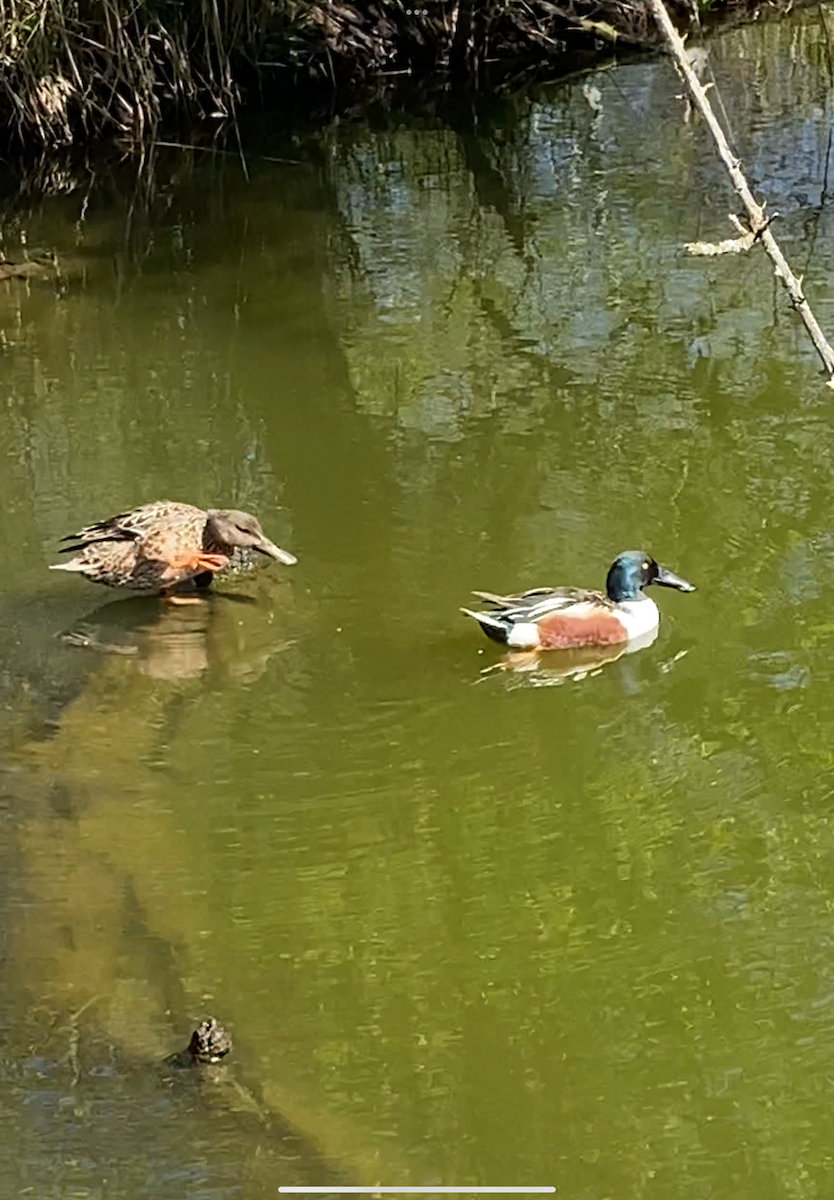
(429, 1191)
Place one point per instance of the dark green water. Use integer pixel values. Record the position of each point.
(466, 927)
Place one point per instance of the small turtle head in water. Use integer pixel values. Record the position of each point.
(209, 1042)
(228, 527)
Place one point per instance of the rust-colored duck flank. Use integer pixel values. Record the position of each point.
(158, 546)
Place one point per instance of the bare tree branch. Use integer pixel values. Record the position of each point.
(759, 224)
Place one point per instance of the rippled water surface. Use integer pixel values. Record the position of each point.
(468, 922)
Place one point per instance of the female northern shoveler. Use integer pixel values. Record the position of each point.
(158, 546)
(561, 618)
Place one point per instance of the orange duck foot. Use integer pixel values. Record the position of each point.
(197, 563)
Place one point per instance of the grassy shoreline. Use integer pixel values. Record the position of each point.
(77, 71)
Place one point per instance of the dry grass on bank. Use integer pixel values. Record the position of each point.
(71, 68)
(77, 70)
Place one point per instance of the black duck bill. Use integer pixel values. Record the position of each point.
(668, 578)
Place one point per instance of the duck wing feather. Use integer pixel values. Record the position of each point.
(541, 602)
(131, 526)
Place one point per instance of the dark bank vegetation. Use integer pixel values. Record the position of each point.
(77, 70)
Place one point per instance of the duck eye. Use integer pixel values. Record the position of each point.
(645, 566)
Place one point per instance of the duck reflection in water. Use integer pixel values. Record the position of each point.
(545, 669)
(229, 632)
(532, 668)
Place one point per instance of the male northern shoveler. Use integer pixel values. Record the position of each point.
(562, 618)
(158, 546)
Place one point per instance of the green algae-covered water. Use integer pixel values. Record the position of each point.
(469, 925)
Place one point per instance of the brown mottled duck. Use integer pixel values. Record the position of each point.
(157, 547)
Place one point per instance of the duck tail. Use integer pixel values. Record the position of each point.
(492, 626)
(74, 564)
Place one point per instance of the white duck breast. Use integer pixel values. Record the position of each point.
(639, 616)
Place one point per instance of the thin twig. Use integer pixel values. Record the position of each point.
(755, 212)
